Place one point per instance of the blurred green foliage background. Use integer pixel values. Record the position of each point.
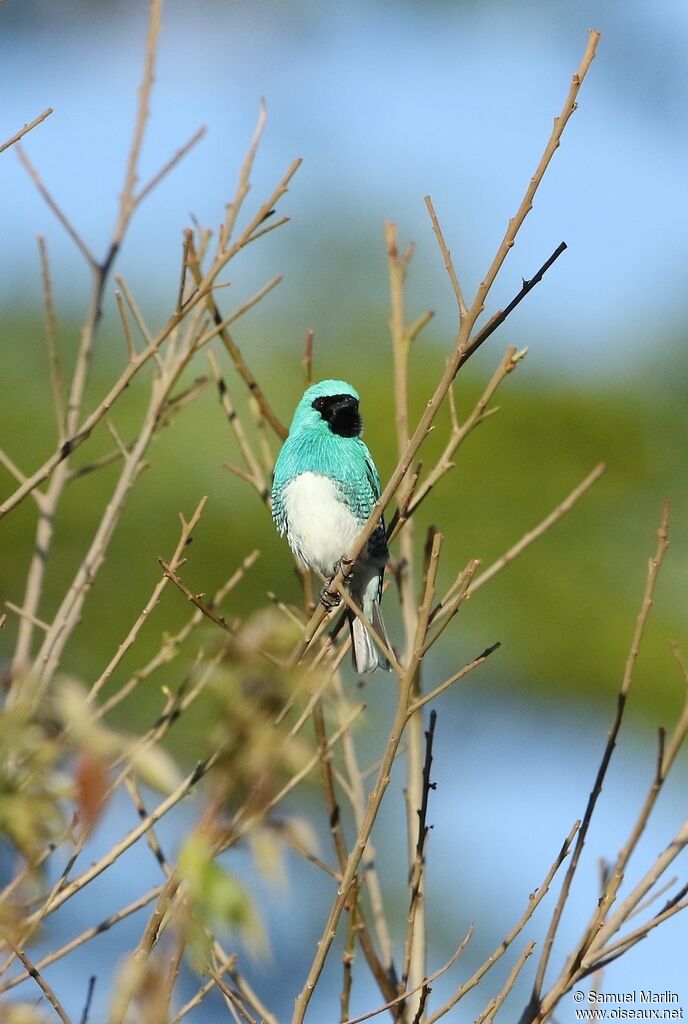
(564, 611)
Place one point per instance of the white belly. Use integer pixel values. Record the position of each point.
(320, 527)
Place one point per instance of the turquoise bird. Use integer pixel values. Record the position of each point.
(324, 489)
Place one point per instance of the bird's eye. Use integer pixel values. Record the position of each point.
(319, 404)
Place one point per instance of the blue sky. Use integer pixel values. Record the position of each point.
(384, 103)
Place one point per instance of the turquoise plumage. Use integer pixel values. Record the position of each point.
(324, 489)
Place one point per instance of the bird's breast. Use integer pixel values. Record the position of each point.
(320, 525)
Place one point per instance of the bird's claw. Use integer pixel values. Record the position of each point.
(329, 598)
(344, 565)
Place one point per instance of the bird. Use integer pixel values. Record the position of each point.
(325, 486)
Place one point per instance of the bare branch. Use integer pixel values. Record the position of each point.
(534, 900)
(534, 534)
(493, 1006)
(235, 352)
(127, 199)
(57, 954)
(426, 981)
(462, 353)
(307, 361)
(170, 165)
(33, 619)
(243, 184)
(132, 635)
(526, 206)
(26, 128)
(57, 210)
(203, 290)
(34, 973)
(418, 867)
(536, 1003)
(460, 433)
(462, 672)
(255, 473)
(172, 644)
(57, 381)
(448, 262)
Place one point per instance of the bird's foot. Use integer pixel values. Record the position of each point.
(345, 565)
(329, 598)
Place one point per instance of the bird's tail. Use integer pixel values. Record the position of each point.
(366, 656)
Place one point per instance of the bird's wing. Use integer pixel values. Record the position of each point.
(279, 512)
(373, 477)
(377, 545)
(279, 479)
(356, 479)
(359, 486)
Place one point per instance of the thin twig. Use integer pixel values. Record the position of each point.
(243, 183)
(445, 610)
(89, 997)
(605, 956)
(536, 1002)
(203, 290)
(426, 981)
(170, 165)
(560, 122)
(34, 973)
(14, 470)
(116, 851)
(172, 644)
(57, 381)
(135, 312)
(25, 129)
(459, 433)
(358, 612)
(202, 992)
(667, 754)
(419, 862)
(307, 361)
(448, 262)
(357, 923)
(402, 340)
(490, 1011)
(127, 199)
(255, 472)
(57, 210)
(196, 599)
(356, 793)
(33, 619)
(462, 353)
(235, 352)
(151, 603)
(534, 900)
(131, 348)
(455, 678)
(85, 936)
(565, 506)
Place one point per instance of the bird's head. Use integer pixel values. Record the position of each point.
(331, 405)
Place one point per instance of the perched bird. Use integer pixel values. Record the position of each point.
(324, 489)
